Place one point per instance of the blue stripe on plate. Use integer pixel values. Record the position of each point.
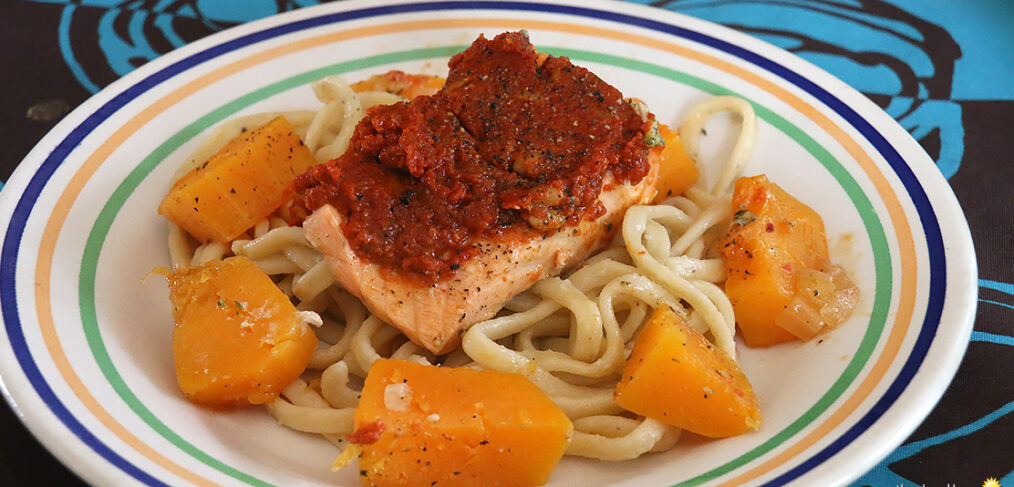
(10, 251)
(8, 303)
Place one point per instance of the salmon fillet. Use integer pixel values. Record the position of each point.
(433, 315)
(445, 207)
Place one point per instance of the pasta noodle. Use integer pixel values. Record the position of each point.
(569, 335)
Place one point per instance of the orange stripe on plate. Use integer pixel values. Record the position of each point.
(96, 159)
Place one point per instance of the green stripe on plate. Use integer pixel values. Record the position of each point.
(100, 230)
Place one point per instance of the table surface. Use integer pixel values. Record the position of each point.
(943, 69)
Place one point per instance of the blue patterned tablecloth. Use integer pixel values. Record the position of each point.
(943, 69)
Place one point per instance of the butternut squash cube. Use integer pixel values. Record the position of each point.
(429, 425)
(676, 376)
(772, 238)
(677, 171)
(240, 185)
(238, 339)
(401, 83)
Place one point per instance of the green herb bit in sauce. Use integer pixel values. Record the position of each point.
(653, 138)
(742, 217)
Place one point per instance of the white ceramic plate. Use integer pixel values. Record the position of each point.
(85, 347)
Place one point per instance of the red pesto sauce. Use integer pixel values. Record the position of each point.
(506, 141)
(368, 434)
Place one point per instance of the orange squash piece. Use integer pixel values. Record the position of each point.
(238, 339)
(401, 83)
(429, 425)
(773, 238)
(677, 171)
(239, 186)
(676, 376)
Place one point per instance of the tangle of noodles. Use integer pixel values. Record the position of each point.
(570, 336)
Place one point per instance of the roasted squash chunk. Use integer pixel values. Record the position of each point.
(779, 277)
(676, 376)
(242, 184)
(237, 340)
(429, 425)
(401, 83)
(677, 171)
